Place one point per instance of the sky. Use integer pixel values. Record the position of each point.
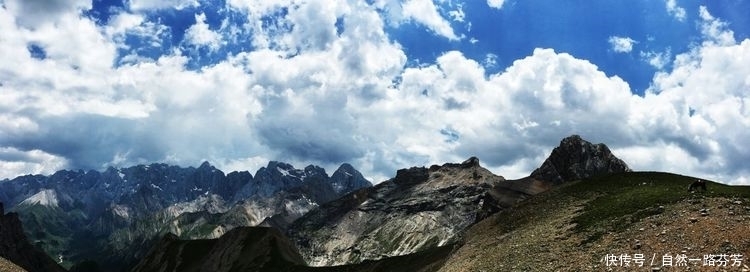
(380, 84)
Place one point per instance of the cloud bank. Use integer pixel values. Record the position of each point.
(323, 83)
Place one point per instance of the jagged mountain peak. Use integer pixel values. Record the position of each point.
(576, 158)
(314, 170)
(347, 179)
(206, 165)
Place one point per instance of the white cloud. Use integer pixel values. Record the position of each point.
(700, 103)
(139, 5)
(426, 13)
(14, 161)
(325, 97)
(714, 30)
(658, 60)
(35, 13)
(123, 22)
(490, 60)
(675, 11)
(621, 44)
(199, 34)
(497, 4)
(458, 14)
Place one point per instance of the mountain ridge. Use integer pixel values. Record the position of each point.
(424, 207)
(125, 208)
(429, 207)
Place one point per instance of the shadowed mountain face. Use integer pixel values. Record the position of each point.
(241, 249)
(113, 216)
(265, 249)
(15, 248)
(577, 159)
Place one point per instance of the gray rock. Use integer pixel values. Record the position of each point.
(577, 159)
(418, 209)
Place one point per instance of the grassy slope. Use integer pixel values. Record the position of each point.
(571, 227)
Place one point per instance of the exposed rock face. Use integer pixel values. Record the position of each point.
(15, 247)
(419, 209)
(576, 159)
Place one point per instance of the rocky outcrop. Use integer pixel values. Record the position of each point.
(577, 159)
(419, 209)
(16, 248)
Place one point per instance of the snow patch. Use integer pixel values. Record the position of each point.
(283, 171)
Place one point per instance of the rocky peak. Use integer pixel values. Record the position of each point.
(576, 159)
(411, 175)
(471, 162)
(206, 166)
(314, 170)
(347, 179)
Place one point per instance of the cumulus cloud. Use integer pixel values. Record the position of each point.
(14, 161)
(35, 13)
(676, 11)
(621, 44)
(424, 12)
(700, 105)
(162, 4)
(199, 34)
(658, 60)
(497, 4)
(340, 90)
(715, 30)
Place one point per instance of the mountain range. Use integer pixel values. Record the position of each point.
(114, 216)
(449, 217)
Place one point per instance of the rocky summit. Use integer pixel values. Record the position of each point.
(420, 208)
(577, 159)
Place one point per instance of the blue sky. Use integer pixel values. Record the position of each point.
(381, 84)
